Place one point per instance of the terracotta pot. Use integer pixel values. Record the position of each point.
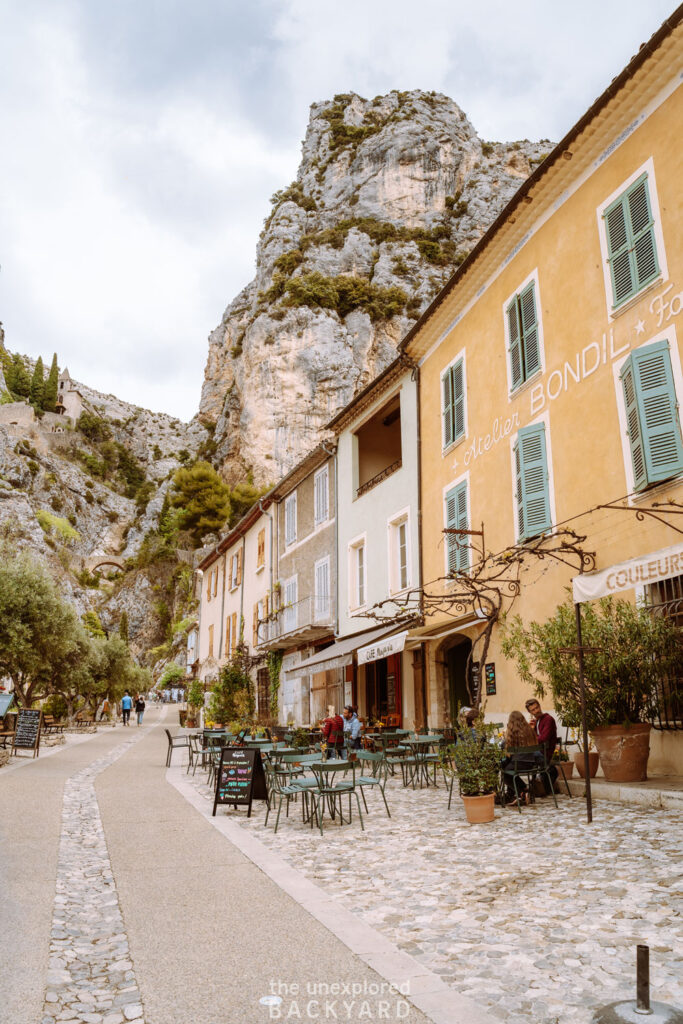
(479, 808)
(593, 762)
(623, 751)
(567, 767)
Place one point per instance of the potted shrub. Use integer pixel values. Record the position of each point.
(579, 758)
(477, 762)
(634, 655)
(195, 702)
(562, 763)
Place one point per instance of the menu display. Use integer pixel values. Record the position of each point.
(27, 732)
(240, 778)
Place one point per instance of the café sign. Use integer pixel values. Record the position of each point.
(382, 649)
(636, 572)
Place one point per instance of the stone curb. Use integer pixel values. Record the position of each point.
(428, 992)
(628, 793)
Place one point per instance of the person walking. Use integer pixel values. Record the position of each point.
(139, 707)
(126, 707)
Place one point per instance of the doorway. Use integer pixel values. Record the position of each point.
(456, 661)
(383, 687)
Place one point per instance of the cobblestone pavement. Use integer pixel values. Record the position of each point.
(536, 916)
(90, 974)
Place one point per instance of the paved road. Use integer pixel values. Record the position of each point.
(208, 932)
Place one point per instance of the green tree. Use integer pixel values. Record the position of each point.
(232, 699)
(123, 626)
(202, 497)
(51, 384)
(93, 625)
(37, 391)
(19, 382)
(172, 675)
(242, 497)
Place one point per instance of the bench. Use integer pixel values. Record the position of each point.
(50, 724)
(80, 721)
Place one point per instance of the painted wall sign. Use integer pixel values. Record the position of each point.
(636, 572)
(500, 429)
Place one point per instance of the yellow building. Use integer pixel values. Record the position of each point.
(550, 379)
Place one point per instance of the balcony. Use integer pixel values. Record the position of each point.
(301, 622)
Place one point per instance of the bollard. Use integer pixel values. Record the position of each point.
(643, 980)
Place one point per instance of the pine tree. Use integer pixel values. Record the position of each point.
(37, 390)
(123, 626)
(50, 392)
(20, 382)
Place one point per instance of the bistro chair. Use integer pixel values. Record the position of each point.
(174, 742)
(375, 773)
(332, 789)
(525, 763)
(278, 790)
(196, 753)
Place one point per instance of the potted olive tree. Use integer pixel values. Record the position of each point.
(477, 762)
(195, 702)
(632, 655)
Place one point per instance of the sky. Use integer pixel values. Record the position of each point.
(142, 140)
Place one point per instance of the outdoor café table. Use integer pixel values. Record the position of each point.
(422, 759)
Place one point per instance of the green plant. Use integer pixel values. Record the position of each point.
(195, 694)
(50, 523)
(274, 663)
(231, 697)
(300, 739)
(171, 676)
(477, 762)
(634, 655)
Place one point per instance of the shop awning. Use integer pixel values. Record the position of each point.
(636, 572)
(382, 648)
(340, 654)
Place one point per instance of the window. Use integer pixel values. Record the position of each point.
(399, 566)
(290, 519)
(652, 418)
(357, 574)
(322, 590)
(321, 493)
(289, 618)
(456, 518)
(523, 335)
(236, 570)
(631, 245)
(532, 492)
(453, 402)
(211, 641)
(263, 691)
(261, 549)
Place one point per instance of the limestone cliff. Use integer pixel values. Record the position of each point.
(390, 195)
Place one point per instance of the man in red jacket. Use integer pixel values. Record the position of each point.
(333, 733)
(545, 727)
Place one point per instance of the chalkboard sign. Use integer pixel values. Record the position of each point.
(240, 777)
(490, 675)
(27, 732)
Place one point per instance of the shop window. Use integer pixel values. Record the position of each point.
(379, 446)
(665, 598)
(631, 245)
(523, 335)
(532, 490)
(653, 423)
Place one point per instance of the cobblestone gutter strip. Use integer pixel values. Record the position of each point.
(90, 975)
(422, 987)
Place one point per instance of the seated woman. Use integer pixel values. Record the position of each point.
(517, 735)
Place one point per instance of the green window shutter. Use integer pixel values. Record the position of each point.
(458, 391)
(633, 425)
(515, 336)
(456, 519)
(447, 412)
(530, 342)
(631, 245)
(533, 500)
(657, 412)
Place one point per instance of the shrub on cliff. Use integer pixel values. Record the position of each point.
(202, 499)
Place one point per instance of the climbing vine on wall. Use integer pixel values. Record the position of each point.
(274, 663)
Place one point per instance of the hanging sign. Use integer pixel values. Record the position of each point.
(636, 572)
(240, 778)
(382, 649)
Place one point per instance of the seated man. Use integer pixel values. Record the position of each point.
(545, 727)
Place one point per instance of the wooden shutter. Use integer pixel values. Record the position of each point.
(211, 641)
(234, 630)
(652, 415)
(530, 341)
(261, 549)
(255, 625)
(227, 637)
(239, 567)
(631, 246)
(448, 433)
(515, 343)
(533, 501)
(456, 519)
(215, 581)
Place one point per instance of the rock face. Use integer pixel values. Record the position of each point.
(390, 196)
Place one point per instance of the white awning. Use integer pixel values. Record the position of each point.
(339, 654)
(382, 648)
(636, 572)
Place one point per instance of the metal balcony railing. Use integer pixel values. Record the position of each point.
(369, 484)
(304, 616)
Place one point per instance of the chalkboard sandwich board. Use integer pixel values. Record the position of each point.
(240, 778)
(27, 732)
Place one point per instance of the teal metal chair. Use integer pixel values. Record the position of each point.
(333, 786)
(375, 773)
(525, 763)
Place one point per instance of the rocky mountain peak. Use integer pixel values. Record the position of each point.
(390, 196)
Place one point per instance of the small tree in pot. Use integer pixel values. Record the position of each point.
(195, 702)
(634, 656)
(477, 762)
